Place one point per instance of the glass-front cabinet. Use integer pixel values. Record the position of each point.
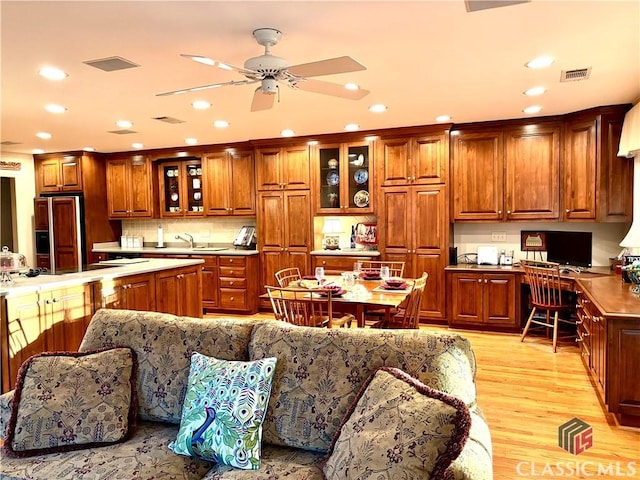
(181, 188)
(344, 179)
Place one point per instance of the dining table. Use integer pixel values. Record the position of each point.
(365, 295)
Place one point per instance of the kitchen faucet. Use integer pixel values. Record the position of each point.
(188, 240)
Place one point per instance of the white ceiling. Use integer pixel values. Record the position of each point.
(423, 59)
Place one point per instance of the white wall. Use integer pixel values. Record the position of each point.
(25, 190)
(606, 237)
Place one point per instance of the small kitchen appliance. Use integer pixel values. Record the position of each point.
(487, 255)
(246, 238)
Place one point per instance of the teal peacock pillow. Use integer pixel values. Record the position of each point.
(223, 410)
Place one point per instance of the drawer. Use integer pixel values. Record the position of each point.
(233, 299)
(233, 272)
(209, 260)
(226, 282)
(233, 261)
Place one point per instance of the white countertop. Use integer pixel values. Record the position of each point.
(349, 252)
(23, 285)
(114, 247)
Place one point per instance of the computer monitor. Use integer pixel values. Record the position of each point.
(569, 248)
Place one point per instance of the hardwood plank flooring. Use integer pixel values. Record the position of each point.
(526, 392)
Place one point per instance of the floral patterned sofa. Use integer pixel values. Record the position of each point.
(318, 375)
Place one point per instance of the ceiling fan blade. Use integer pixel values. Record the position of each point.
(326, 67)
(261, 100)
(328, 88)
(215, 63)
(206, 87)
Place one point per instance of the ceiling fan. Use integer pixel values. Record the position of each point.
(269, 71)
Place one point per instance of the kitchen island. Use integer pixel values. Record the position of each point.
(52, 312)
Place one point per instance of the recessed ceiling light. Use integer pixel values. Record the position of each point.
(89, 149)
(221, 124)
(287, 132)
(44, 135)
(201, 104)
(540, 62)
(532, 109)
(378, 108)
(53, 108)
(137, 145)
(191, 141)
(351, 127)
(532, 92)
(351, 86)
(37, 151)
(443, 118)
(52, 73)
(124, 124)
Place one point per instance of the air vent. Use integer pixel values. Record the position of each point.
(475, 5)
(168, 119)
(111, 64)
(575, 75)
(9, 142)
(122, 132)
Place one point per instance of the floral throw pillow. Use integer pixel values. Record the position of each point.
(69, 400)
(398, 427)
(223, 410)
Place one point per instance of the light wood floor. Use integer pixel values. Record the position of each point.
(525, 392)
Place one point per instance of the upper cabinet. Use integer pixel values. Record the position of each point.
(181, 190)
(229, 186)
(343, 176)
(58, 173)
(283, 167)
(418, 159)
(129, 187)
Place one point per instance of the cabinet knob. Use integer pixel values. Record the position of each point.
(596, 319)
(230, 272)
(231, 298)
(567, 210)
(324, 262)
(479, 280)
(231, 283)
(231, 260)
(485, 280)
(508, 212)
(499, 212)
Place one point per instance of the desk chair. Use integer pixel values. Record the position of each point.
(546, 295)
(287, 275)
(305, 308)
(409, 315)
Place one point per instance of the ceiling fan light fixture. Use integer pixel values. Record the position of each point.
(269, 86)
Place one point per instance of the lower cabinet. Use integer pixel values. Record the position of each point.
(238, 288)
(484, 300)
(136, 292)
(43, 321)
(179, 291)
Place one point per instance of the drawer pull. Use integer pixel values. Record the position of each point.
(596, 319)
(230, 283)
(231, 298)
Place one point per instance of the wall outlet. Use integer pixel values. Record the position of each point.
(498, 236)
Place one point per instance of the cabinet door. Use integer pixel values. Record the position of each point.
(217, 184)
(296, 172)
(41, 214)
(190, 293)
(71, 174)
(268, 168)
(430, 159)
(393, 165)
(499, 299)
(70, 310)
(466, 301)
(394, 224)
(623, 388)
(118, 181)
(65, 231)
(243, 196)
(579, 170)
(477, 176)
(112, 294)
(210, 282)
(357, 181)
(173, 201)
(434, 297)
(616, 202)
(532, 181)
(140, 292)
(168, 292)
(48, 172)
(140, 190)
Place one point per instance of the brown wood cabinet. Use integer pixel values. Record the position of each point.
(413, 227)
(180, 188)
(130, 191)
(210, 282)
(238, 288)
(417, 159)
(179, 291)
(284, 232)
(229, 183)
(484, 300)
(580, 170)
(58, 173)
(283, 167)
(135, 292)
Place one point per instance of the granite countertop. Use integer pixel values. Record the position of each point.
(351, 252)
(171, 249)
(23, 285)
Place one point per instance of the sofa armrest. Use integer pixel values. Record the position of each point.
(6, 401)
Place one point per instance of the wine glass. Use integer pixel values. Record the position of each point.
(348, 280)
(319, 274)
(357, 266)
(384, 272)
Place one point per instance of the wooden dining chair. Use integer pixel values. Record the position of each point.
(396, 269)
(408, 315)
(287, 275)
(306, 308)
(546, 296)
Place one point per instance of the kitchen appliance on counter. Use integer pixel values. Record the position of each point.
(367, 235)
(60, 232)
(246, 238)
(487, 255)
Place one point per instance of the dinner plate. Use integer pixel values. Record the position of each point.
(371, 276)
(333, 178)
(339, 293)
(361, 176)
(361, 198)
(402, 286)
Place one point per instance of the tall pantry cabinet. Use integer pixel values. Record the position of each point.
(413, 208)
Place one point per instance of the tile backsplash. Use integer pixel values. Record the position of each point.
(206, 230)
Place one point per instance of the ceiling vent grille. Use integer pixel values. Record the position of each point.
(9, 142)
(111, 64)
(168, 120)
(575, 75)
(476, 5)
(122, 132)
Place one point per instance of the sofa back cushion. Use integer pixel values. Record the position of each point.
(164, 344)
(320, 371)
